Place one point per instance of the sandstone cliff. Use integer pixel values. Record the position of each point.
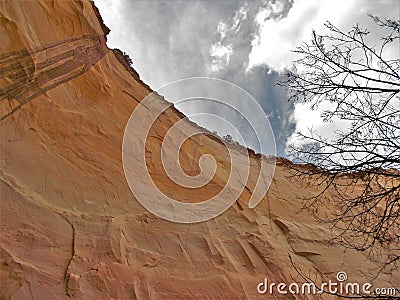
(70, 226)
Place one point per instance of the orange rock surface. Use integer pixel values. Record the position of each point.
(70, 226)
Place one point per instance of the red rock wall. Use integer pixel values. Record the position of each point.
(70, 226)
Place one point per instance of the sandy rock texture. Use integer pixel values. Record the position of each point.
(70, 226)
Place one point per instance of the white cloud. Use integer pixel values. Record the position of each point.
(279, 35)
(308, 120)
(222, 29)
(220, 55)
(221, 51)
(240, 15)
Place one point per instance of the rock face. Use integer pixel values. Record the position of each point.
(70, 226)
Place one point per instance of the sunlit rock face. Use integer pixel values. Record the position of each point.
(70, 225)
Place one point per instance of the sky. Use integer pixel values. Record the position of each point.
(248, 43)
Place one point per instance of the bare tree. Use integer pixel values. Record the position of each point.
(358, 80)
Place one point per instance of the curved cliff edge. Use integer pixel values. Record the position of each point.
(70, 226)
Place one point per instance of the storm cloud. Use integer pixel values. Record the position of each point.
(171, 40)
(247, 43)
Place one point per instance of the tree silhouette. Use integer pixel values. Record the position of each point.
(228, 138)
(359, 166)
